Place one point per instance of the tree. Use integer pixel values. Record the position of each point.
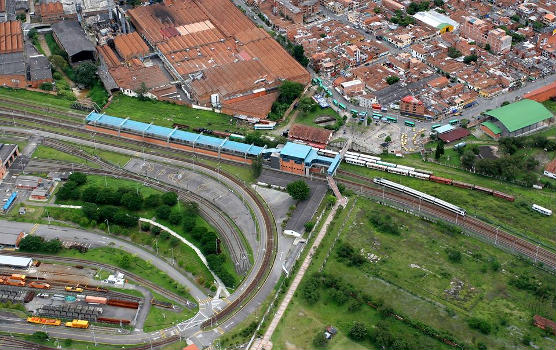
(392, 79)
(388, 139)
(90, 194)
(188, 223)
(305, 104)
(480, 324)
(377, 10)
(439, 150)
(463, 123)
(132, 201)
(124, 261)
(309, 226)
(468, 159)
(46, 86)
(152, 201)
(175, 217)
(40, 336)
(257, 167)
(85, 74)
(289, 91)
(487, 47)
(320, 341)
(299, 54)
(298, 190)
(439, 3)
(453, 52)
(170, 198)
(470, 58)
(330, 200)
(142, 91)
(163, 212)
(78, 178)
(33, 33)
(358, 331)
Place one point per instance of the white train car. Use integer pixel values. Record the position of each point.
(397, 171)
(351, 154)
(426, 197)
(422, 171)
(367, 156)
(541, 210)
(392, 165)
(419, 175)
(376, 166)
(408, 168)
(327, 153)
(355, 161)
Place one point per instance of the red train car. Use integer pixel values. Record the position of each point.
(483, 189)
(440, 180)
(503, 196)
(221, 134)
(123, 303)
(462, 184)
(112, 320)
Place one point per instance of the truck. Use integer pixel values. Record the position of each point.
(74, 289)
(38, 285)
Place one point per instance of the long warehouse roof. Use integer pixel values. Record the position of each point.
(8, 260)
(179, 135)
(520, 114)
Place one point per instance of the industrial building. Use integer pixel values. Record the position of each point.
(440, 22)
(516, 119)
(8, 153)
(217, 54)
(72, 39)
(15, 261)
(303, 160)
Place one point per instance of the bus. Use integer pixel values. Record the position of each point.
(392, 119)
(454, 122)
(335, 102)
(342, 106)
(328, 92)
(435, 126)
(354, 112)
(319, 81)
(314, 81)
(377, 115)
(409, 123)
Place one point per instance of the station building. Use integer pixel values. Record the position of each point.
(303, 160)
(516, 119)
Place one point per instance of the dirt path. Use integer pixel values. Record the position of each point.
(44, 46)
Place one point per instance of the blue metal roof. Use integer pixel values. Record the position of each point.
(179, 135)
(295, 150)
(334, 165)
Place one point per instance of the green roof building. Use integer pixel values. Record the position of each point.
(516, 118)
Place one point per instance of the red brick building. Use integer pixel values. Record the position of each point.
(412, 106)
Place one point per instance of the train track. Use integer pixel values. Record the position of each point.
(207, 209)
(499, 237)
(13, 343)
(131, 275)
(269, 254)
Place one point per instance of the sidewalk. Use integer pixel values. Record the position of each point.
(265, 343)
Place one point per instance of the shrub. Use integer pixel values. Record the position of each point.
(309, 225)
(152, 201)
(453, 255)
(479, 324)
(163, 212)
(320, 341)
(170, 198)
(155, 230)
(358, 331)
(384, 223)
(175, 217)
(46, 86)
(298, 190)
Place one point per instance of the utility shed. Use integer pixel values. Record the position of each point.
(71, 37)
(15, 261)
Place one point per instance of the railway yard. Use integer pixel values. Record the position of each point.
(77, 293)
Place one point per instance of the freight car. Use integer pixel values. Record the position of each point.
(45, 321)
(483, 189)
(462, 184)
(112, 320)
(503, 195)
(17, 276)
(123, 303)
(74, 289)
(180, 126)
(221, 134)
(38, 285)
(440, 180)
(17, 283)
(78, 324)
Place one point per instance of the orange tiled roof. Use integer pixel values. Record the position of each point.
(130, 45)
(11, 37)
(51, 8)
(309, 134)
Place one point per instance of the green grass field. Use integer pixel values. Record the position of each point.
(308, 118)
(42, 99)
(45, 152)
(412, 276)
(165, 114)
(160, 318)
(514, 216)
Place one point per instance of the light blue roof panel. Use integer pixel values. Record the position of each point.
(444, 128)
(295, 150)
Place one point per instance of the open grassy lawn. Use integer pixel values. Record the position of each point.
(42, 99)
(108, 156)
(166, 114)
(7, 138)
(514, 216)
(308, 118)
(45, 152)
(159, 318)
(414, 277)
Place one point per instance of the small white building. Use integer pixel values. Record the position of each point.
(15, 261)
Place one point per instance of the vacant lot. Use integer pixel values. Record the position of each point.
(413, 271)
(166, 114)
(308, 118)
